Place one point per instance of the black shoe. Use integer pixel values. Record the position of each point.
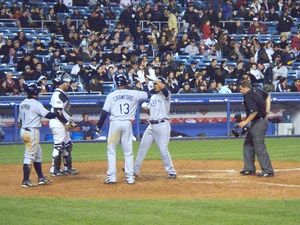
(265, 174)
(247, 173)
(172, 176)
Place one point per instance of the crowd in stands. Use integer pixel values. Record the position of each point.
(198, 48)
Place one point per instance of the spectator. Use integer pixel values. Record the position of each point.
(172, 21)
(288, 56)
(26, 60)
(9, 85)
(38, 71)
(25, 20)
(21, 38)
(212, 87)
(279, 71)
(5, 48)
(60, 7)
(256, 76)
(206, 30)
(223, 89)
(282, 85)
(273, 16)
(191, 48)
(295, 86)
(11, 58)
(27, 74)
(87, 127)
(295, 43)
(186, 89)
(257, 28)
(97, 79)
(285, 24)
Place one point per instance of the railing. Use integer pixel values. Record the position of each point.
(189, 112)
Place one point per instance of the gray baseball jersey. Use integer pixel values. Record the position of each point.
(30, 113)
(158, 131)
(122, 103)
(159, 106)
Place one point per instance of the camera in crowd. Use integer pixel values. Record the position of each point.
(236, 130)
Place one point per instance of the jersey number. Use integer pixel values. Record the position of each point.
(124, 109)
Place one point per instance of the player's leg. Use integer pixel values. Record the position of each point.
(29, 155)
(248, 155)
(161, 135)
(259, 131)
(58, 148)
(145, 144)
(126, 143)
(113, 139)
(68, 163)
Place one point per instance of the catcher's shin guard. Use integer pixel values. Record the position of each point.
(67, 156)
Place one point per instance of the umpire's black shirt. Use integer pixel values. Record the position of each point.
(255, 101)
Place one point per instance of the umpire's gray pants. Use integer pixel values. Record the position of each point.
(255, 145)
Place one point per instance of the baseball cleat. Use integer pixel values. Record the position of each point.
(57, 174)
(172, 176)
(71, 172)
(44, 181)
(130, 180)
(265, 174)
(109, 181)
(247, 173)
(27, 183)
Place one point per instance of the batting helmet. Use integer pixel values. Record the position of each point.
(163, 80)
(121, 80)
(32, 89)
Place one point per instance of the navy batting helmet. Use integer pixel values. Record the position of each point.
(32, 89)
(163, 80)
(121, 80)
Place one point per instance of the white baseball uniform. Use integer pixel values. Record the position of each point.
(159, 131)
(30, 113)
(61, 136)
(122, 105)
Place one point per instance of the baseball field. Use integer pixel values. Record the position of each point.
(208, 190)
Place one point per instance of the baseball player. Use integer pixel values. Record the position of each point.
(159, 128)
(30, 113)
(60, 127)
(121, 104)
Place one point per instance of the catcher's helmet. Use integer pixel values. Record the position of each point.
(121, 80)
(32, 89)
(62, 77)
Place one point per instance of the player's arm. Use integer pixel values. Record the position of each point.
(162, 87)
(268, 104)
(51, 115)
(60, 116)
(102, 118)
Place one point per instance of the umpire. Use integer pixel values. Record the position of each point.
(257, 105)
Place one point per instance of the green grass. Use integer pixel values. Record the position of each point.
(33, 211)
(280, 149)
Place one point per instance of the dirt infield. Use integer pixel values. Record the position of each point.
(196, 180)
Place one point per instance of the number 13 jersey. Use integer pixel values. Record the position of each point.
(122, 103)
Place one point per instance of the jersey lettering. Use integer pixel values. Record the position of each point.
(123, 97)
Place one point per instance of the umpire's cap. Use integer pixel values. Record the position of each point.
(32, 89)
(121, 80)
